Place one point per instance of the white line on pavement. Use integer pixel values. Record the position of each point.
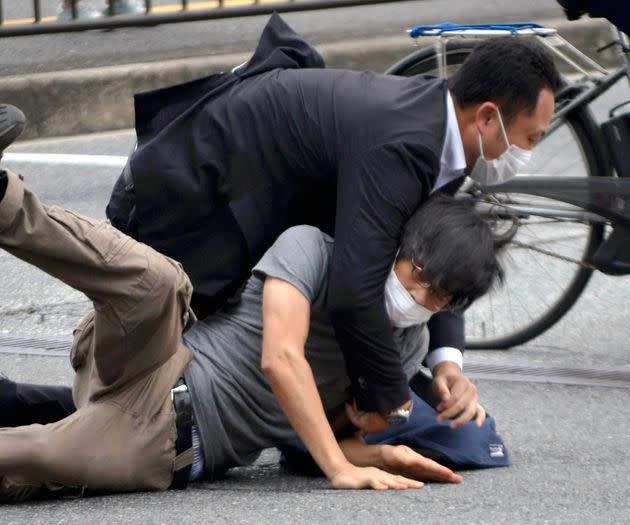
(99, 161)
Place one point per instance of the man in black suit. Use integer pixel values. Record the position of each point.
(226, 163)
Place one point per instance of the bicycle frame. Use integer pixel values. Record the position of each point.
(601, 84)
(600, 200)
(558, 228)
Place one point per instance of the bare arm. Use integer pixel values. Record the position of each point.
(286, 316)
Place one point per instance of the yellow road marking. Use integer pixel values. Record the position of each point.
(192, 6)
(21, 21)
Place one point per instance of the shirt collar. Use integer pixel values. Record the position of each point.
(453, 158)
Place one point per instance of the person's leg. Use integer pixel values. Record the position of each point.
(126, 7)
(83, 11)
(127, 355)
(123, 278)
(99, 448)
(25, 404)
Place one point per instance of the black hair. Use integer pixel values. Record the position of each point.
(454, 246)
(510, 71)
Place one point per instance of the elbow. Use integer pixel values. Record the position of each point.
(269, 366)
(276, 363)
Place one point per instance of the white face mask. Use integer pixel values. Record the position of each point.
(503, 168)
(402, 309)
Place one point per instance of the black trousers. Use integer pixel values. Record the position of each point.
(25, 404)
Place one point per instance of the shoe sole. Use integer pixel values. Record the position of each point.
(12, 122)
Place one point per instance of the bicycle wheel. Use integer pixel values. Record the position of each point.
(543, 271)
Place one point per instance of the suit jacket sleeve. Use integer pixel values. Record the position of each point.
(446, 329)
(377, 192)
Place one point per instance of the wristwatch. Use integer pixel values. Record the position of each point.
(400, 416)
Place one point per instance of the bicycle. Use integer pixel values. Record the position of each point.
(565, 219)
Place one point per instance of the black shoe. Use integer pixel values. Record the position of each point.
(12, 122)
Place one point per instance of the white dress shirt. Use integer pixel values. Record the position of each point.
(452, 166)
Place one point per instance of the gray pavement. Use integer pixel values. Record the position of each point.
(568, 443)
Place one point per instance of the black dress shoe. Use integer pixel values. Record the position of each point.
(12, 122)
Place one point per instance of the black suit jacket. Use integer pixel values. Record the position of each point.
(226, 163)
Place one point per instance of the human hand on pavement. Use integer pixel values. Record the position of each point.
(457, 395)
(352, 477)
(400, 459)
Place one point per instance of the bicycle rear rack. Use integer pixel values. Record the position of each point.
(561, 48)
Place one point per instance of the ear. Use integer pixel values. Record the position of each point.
(484, 115)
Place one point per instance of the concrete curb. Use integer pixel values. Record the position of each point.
(101, 99)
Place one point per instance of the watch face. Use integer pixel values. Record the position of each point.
(397, 419)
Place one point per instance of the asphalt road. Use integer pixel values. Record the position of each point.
(21, 55)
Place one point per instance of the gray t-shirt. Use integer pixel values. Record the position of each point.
(235, 409)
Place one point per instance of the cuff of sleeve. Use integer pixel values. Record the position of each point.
(378, 400)
(444, 353)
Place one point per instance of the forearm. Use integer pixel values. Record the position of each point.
(374, 365)
(360, 454)
(286, 313)
(292, 383)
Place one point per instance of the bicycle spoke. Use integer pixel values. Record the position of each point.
(538, 272)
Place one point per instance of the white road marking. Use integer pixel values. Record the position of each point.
(98, 161)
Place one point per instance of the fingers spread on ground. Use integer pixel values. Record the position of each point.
(413, 483)
(378, 485)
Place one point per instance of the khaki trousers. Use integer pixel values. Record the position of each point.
(127, 355)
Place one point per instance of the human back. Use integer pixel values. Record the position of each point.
(215, 186)
(303, 127)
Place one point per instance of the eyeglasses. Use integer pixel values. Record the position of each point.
(450, 301)
(442, 296)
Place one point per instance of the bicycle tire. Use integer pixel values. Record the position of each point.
(587, 135)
